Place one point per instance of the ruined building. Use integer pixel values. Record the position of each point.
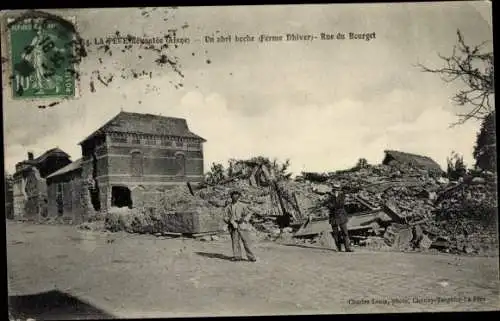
(128, 162)
(402, 159)
(29, 186)
(66, 196)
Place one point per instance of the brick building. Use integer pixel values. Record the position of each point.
(29, 190)
(129, 161)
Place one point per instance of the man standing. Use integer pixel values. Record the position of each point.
(238, 220)
(338, 218)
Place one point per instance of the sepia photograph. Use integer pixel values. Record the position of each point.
(249, 160)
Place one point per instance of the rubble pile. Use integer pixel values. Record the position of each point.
(174, 212)
(259, 202)
(473, 200)
(414, 202)
(392, 206)
(411, 190)
(467, 216)
(454, 216)
(178, 199)
(120, 219)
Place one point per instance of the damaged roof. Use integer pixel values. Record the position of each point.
(51, 152)
(137, 123)
(68, 168)
(411, 159)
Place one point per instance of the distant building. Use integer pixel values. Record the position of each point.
(128, 162)
(397, 158)
(29, 187)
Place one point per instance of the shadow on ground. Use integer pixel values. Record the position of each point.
(53, 305)
(215, 256)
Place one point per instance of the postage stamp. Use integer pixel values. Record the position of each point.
(41, 59)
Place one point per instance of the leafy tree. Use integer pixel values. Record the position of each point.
(485, 148)
(456, 166)
(216, 174)
(240, 167)
(362, 163)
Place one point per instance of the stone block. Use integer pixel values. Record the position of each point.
(192, 222)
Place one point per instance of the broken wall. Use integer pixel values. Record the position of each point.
(29, 195)
(71, 186)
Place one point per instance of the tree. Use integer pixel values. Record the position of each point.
(474, 68)
(456, 166)
(216, 174)
(485, 148)
(362, 163)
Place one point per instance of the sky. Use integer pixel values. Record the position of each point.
(321, 104)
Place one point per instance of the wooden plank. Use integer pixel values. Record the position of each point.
(190, 188)
(297, 205)
(202, 234)
(171, 234)
(253, 178)
(393, 212)
(358, 237)
(355, 222)
(314, 228)
(366, 203)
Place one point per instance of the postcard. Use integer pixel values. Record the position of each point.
(250, 160)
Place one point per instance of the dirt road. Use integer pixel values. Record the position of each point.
(103, 274)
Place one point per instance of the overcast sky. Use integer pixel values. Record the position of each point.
(322, 104)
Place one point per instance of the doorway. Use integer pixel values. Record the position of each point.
(121, 196)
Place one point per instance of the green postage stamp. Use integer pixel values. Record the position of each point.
(42, 59)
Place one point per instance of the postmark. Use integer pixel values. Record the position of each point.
(44, 53)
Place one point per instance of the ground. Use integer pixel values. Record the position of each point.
(101, 274)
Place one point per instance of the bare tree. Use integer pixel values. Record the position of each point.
(474, 68)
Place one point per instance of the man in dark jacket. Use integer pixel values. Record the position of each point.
(338, 218)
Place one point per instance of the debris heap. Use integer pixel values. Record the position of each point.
(396, 204)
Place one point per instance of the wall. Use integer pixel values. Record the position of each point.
(93, 173)
(72, 191)
(157, 160)
(19, 196)
(148, 195)
(29, 193)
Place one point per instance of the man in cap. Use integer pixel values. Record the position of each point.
(237, 218)
(338, 218)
